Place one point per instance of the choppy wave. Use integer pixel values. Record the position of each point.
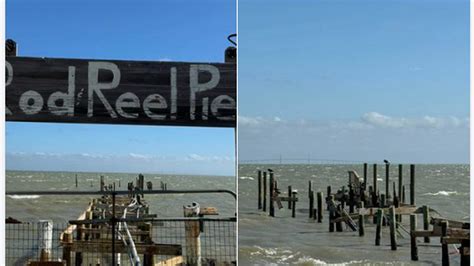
(442, 193)
(23, 196)
(246, 177)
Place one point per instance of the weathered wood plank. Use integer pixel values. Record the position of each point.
(120, 92)
(106, 247)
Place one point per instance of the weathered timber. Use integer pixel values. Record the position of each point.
(259, 189)
(271, 196)
(387, 180)
(264, 191)
(320, 206)
(365, 175)
(393, 234)
(192, 235)
(400, 181)
(444, 246)
(426, 223)
(293, 207)
(378, 230)
(413, 245)
(412, 184)
(311, 204)
(120, 92)
(289, 195)
(361, 225)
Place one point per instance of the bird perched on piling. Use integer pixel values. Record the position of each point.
(386, 161)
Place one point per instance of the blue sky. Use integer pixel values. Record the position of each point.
(354, 80)
(142, 30)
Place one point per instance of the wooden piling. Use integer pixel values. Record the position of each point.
(351, 200)
(464, 249)
(289, 196)
(400, 181)
(102, 183)
(374, 186)
(259, 189)
(414, 247)
(387, 180)
(393, 233)
(412, 184)
(343, 200)
(45, 239)
(310, 188)
(320, 206)
(338, 215)
(76, 181)
(192, 235)
(271, 195)
(311, 204)
(378, 231)
(328, 195)
(365, 174)
(426, 221)
(444, 245)
(403, 194)
(293, 208)
(331, 218)
(361, 225)
(264, 191)
(383, 203)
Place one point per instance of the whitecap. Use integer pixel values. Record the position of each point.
(23, 196)
(442, 193)
(246, 177)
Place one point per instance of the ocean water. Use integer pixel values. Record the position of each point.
(64, 208)
(283, 240)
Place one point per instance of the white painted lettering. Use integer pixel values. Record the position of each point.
(31, 102)
(197, 87)
(127, 100)
(95, 86)
(67, 107)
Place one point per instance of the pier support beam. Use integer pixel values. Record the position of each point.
(45, 239)
(414, 247)
(192, 235)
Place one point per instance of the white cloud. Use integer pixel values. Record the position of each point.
(377, 119)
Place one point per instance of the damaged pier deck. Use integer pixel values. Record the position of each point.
(359, 201)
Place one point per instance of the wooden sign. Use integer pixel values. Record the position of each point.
(120, 92)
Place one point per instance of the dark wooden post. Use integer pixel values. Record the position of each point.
(393, 234)
(378, 230)
(320, 207)
(387, 180)
(403, 194)
(289, 197)
(293, 209)
(361, 225)
(365, 174)
(328, 195)
(400, 181)
(311, 204)
(76, 180)
(310, 188)
(259, 189)
(331, 213)
(343, 200)
(426, 221)
(382, 205)
(264, 191)
(412, 184)
(338, 215)
(414, 247)
(271, 194)
(351, 200)
(464, 250)
(375, 179)
(444, 245)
